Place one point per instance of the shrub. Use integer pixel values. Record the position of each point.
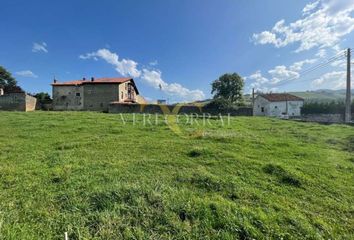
(333, 107)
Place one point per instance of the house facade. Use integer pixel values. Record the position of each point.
(277, 104)
(94, 94)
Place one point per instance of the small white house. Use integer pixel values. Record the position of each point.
(277, 104)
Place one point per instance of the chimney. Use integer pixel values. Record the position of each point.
(84, 78)
(55, 81)
(92, 79)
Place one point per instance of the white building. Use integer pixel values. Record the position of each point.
(277, 104)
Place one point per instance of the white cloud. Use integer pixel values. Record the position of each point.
(341, 63)
(258, 80)
(331, 80)
(297, 66)
(257, 76)
(154, 79)
(128, 67)
(280, 73)
(335, 6)
(266, 37)
(39, 47)
(310, 7)
(26, 73)
(154, 63)
(321, 53)
(324, 25)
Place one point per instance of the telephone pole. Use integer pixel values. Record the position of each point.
(348, 114)
(253, 100)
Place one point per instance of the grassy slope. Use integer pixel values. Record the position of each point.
(322, 95)
(87, 174)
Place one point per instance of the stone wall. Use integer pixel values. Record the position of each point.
(97, 97)
(173, 109)
(17, 102)
(324, 118)
(67, 98)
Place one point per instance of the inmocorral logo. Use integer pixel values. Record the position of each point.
(172, 116)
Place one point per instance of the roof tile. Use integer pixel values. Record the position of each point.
(96, 81)
(280, 97)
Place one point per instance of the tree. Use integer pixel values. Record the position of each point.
(6, 79)
(220, 104)
(43, 97)
(229, 87)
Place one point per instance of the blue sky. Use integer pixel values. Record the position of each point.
(182, 45)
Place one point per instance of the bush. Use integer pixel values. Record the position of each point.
(221, 104)
(333, 107)
(43, 97)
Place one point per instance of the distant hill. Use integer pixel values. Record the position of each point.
(323, 95)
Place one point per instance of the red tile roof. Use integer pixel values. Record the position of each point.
(96, 81)
(280, 97)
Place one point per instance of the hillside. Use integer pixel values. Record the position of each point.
(323, 95)
(97, 177)
(309, 96)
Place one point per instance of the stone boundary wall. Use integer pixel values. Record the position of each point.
(324, 118)
(17, 102)
(13, 102)
(173, 109)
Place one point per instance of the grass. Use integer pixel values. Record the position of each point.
(94, 177)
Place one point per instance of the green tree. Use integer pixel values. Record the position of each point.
(43, 97)
(6, 79)
(229, 87)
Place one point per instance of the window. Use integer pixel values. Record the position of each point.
(276, 107)
(121, 95)
(77, 94)
(262, 109)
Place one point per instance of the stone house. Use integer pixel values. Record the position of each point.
(16, 100)
(94, 94)
(277, 104)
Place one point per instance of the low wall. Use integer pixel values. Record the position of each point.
(13, 102)
(173, 109)
(17, 102)
(324, 118)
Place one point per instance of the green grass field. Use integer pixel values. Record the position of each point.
(93, 176)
